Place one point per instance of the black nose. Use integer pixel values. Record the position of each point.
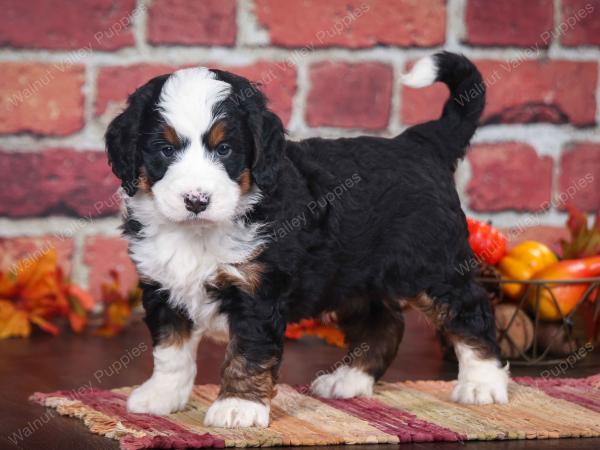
(196, 202)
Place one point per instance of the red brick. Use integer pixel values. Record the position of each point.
(509, 22)
(353, 23)
(533, 91)
(41, 98)
(422, 105)
(58, 181)
(115, 83)
(278, 80)
(81, 24)
(103, 254)
(580, 24)
(209, 22)
(17, 253)
(349, 95)
(579, 181)
(509, 176)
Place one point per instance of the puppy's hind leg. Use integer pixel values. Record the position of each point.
(373, 333)
(468, 321)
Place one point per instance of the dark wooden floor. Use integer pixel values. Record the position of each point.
(44, 363)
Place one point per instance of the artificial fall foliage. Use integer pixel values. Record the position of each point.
(584, 241)
(118, 307)
(311, 327)
(38, 293)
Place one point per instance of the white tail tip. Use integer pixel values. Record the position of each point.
(423, 73)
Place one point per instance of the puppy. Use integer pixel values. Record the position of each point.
(236, 231)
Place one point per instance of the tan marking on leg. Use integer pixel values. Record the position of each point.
(439, 315)
(239, 380)
(479, 347)
(373, 333)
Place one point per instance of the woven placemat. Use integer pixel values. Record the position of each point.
(412, 411)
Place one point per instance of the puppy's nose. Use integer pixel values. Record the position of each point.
(196, 202)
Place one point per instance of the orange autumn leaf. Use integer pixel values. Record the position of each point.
(44, 324)
(117, 316)
(310, 327)
(36, 292)
(293, 331)
(8, 285)
(77, 322)
(329, 333)
(38, 280)
(85, 298)
(119, 307)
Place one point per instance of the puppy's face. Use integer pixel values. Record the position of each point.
(195, 152)
(193, 141)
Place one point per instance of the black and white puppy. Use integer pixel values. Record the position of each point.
(236, 231)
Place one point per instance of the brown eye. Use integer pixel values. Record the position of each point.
(223, 150)
(168, 150)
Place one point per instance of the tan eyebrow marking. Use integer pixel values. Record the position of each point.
(171, 136)
(216, 134)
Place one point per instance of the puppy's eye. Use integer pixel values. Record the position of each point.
(168, 150)
(223, 150)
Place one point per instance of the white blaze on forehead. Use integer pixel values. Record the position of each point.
(187, 100)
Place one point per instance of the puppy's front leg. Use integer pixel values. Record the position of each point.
(249, 373)
(175, 343)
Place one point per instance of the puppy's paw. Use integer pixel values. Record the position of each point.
(482, 387)
(235, 412)
(344, 382)
(157, 398)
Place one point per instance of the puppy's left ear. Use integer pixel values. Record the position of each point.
(269, 140)
(122, 135)
(121, 146)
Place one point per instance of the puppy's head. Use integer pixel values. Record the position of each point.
(197, 141)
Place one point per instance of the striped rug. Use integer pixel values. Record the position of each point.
(412, 411)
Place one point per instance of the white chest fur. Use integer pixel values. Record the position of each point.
(184, 257)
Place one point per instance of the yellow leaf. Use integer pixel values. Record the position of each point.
(15, 325)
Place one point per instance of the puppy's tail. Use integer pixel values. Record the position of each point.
(463, 108)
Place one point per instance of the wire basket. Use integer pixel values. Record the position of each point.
(581, 325)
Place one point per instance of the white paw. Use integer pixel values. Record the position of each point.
(237, 412)
(482, 387)
(157, 398)
(344, 382)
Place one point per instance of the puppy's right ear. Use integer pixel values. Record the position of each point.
(122, 135)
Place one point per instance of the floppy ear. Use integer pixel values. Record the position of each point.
(266, 128)
(269, 139)
(122, 135)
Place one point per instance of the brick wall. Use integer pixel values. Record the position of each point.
(330, 68)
